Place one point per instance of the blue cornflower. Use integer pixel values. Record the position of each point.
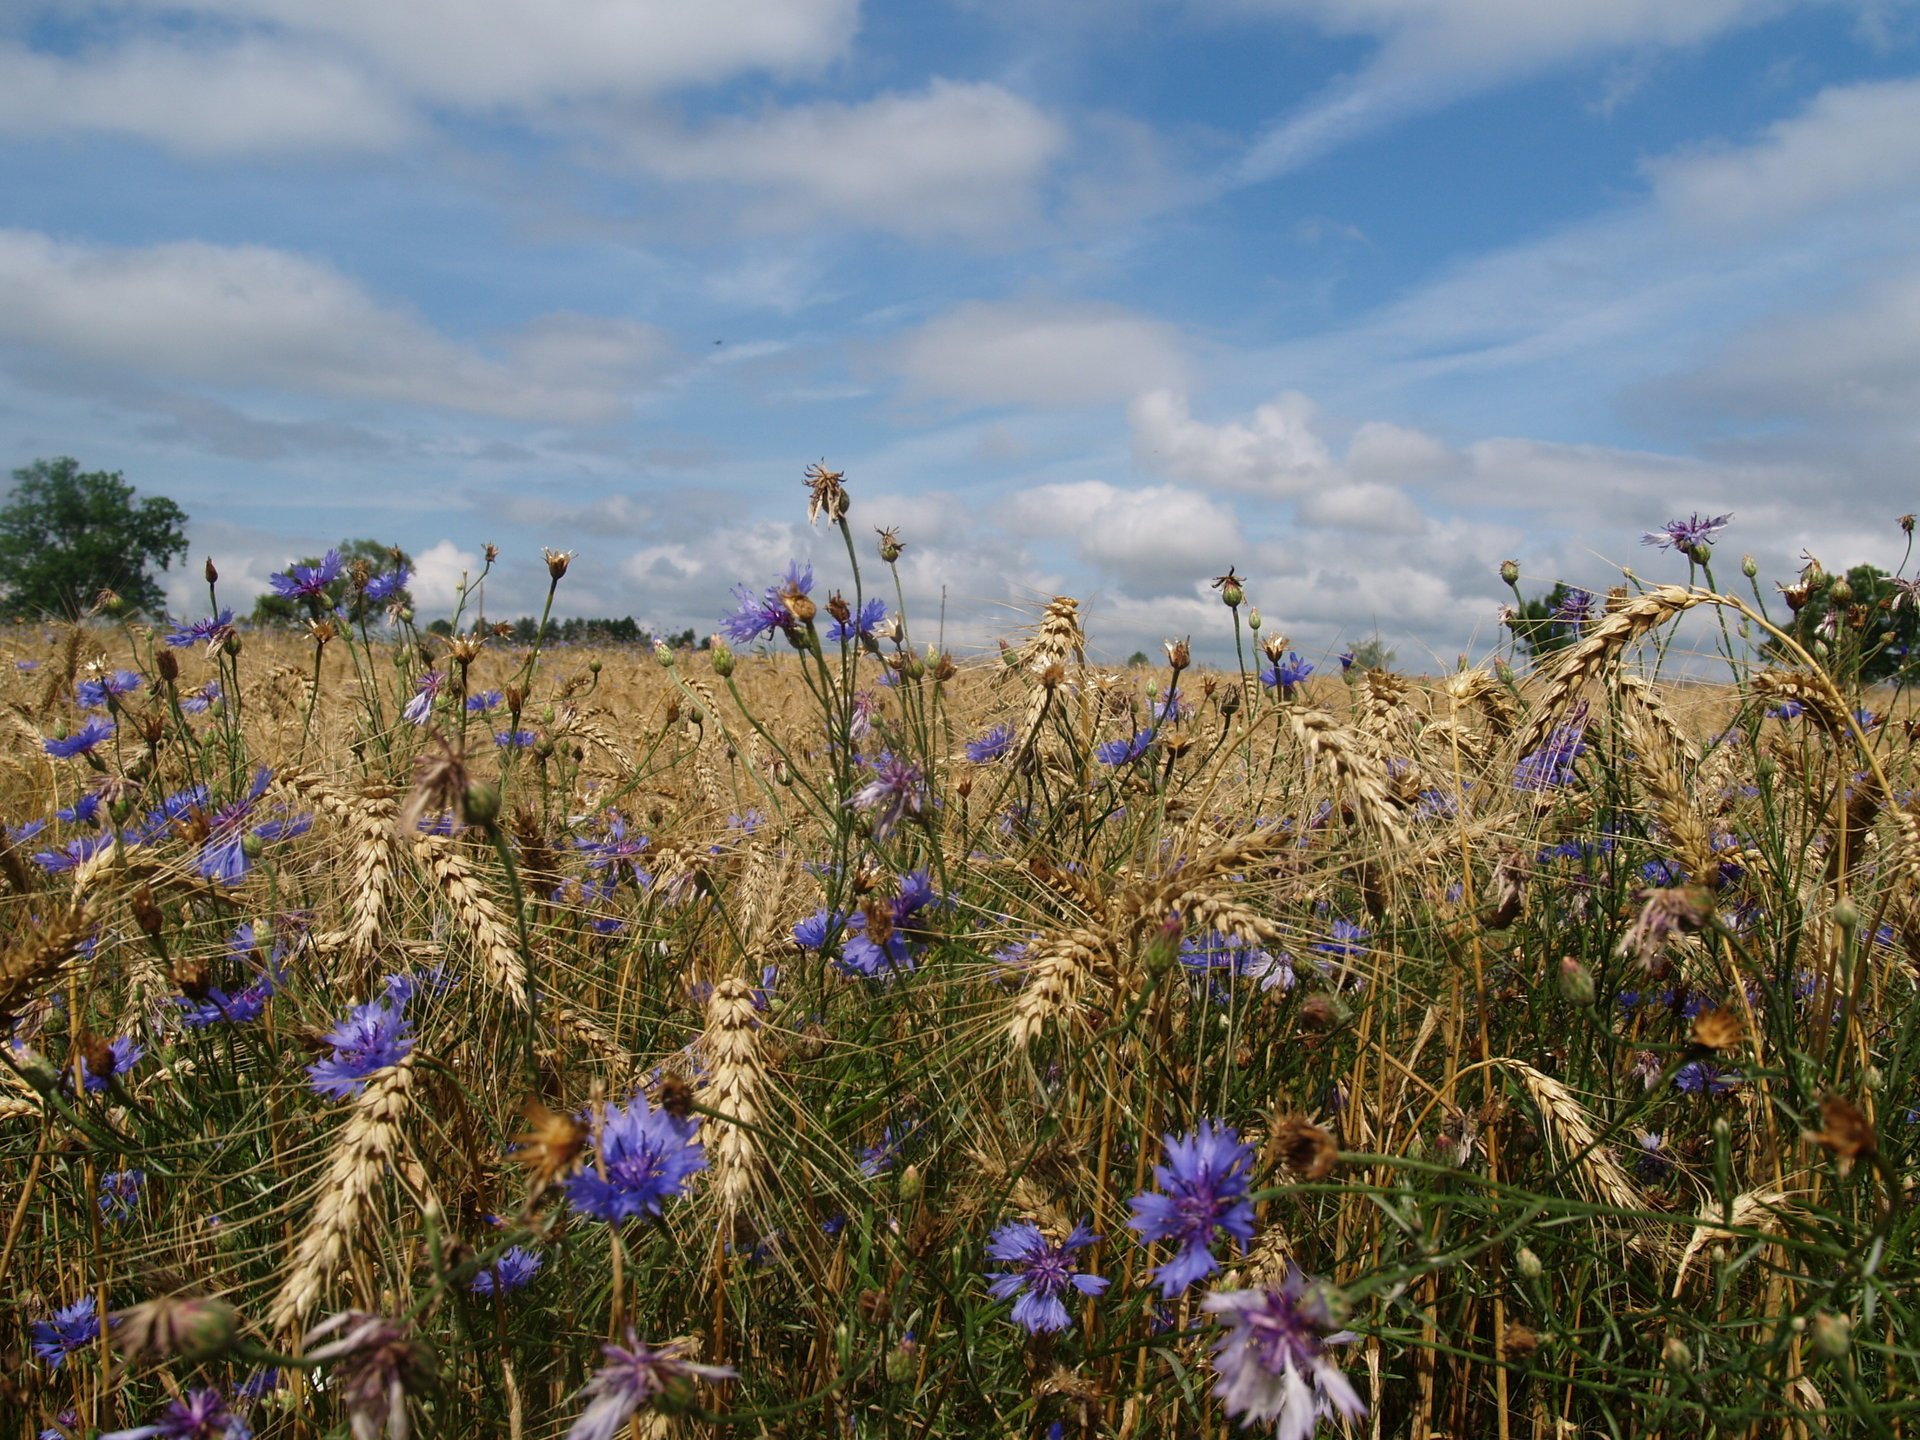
(1690, 536)
(81, 741)
(371, 1038)
(1653, 1162)
(1344, 939)
(83, 811)
(811, 933)
(897, 790)
(480, 702)
(1125, 752)
(123, 1054)
(861, 954)
(225, 856)
(25, 831)
(1205, 1185)
(74, 853)
(510, 1272)
(990, 746)
(204, 699)
(637, 1376)
(236, 1007)
(1575, 610)
(120, 1192)
(1285, 674)
(616, 851)
(757, 616)
(203, 632)
(643, 1157)
(1703, 1077)
(1552, 763)
(94, 694)
(386, 587)
(516, 739)
(73, 1327)
(1042, 1271)
(858, 625)
(203, 1415)
(307, 582)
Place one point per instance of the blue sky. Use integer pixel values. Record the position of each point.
(1361, 296)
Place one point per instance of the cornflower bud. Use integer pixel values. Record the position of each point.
(1528, 1264)
(213, 575)
(663, 653)
(1510, 571)
(1576, 981)
(890, 545)
(1253, 619)
(1832, 1335)
(1676, 1354)
(480, 804)
(1749, 566)
(722, 657)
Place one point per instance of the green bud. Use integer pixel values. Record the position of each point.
(1841, 591)
(1832, 1335)
(663, 653)
(1253, 618)
(1528, 1263)
(1749, 566)
(193, 1329)
(1163, 946)
(1846, 914)
(722, 658)
(901, 1362)
(1510, 571)
(677, 1395)
(231, 644)
(252, 846)
(1232, 596)
(1576, 981)
(912, 1184)
(593, 666)
(481, 804)
(1676, 1355)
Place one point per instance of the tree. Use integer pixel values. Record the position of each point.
(1553, 623)
(374, 557)
(1372, 654)
(65, 536)
(1875, 627)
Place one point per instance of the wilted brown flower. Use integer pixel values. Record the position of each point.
(557, 562)
(1521, 1342)
(1848, 1133)
(1663, 915)
(552, 1145)
(377, 1366)
(825, 494)
(1305, 1148)
(440, 784)
(186, 1327)
(1718, 1030)
(675, 1096)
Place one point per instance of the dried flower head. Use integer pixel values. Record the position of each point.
(557, 562)
(825, 494)
(1232, 590)
(187, 1327)
(1847, 1132)
(1718, 1030)
(376, 1367)
(1305, 1148)
(440, 783)
(552, 1145)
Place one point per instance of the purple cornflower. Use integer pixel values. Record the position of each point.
(425, 691)
(861, 954)
(94, 694)
(1703, 1077)
(858, 625)
(897, 790)
(73, 854)
(1272, 1360)
(1285, 674)
(81, 741)
(371, 1038)
(1125, 752)
(373, 1368)
(481, 701)
(635, 1376)
(1652, 1162)
(511, 1271)
(203, 1415)
(123, 1054)
(73, 1327)
(386, 587)
(203, 632)
(643, 1156)
(757, 616)
(1552, 763)
(516, 739)
(307, 582)
(225, 856)
(1575, 610)
(1346, 661)
(204, 699)
(811, 933)
(1205, 1185)
(1042, 1271)
(616, 851)
(120, 1192)
(235, 1007)
(1690, 537)
(990, 746)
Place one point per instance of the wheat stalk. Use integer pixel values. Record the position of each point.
(1568, 1125)
(736, 1082)
(369, 1142)
(1058, 969)
(500, 959)
(1759, 1209)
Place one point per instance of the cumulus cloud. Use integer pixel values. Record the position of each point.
(1274, 453)
(253, 317)
(211, 101)
(1154, 539)
(1039, 353)
(437, 573)
(1849, 141)
(953, 160)
(1433, 51)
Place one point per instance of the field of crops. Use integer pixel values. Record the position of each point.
(826, 1035)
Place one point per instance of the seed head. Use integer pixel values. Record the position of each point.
(825, 493)
(1510, 571)
(1718, 1030)
(1232, 592)
(1846, 1132)
(1179, 654)
(191, 1328)
(890, 544)
(1305, 1148)
(552, 1145)
(557, 562)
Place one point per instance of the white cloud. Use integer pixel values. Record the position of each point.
(478, 54)
(251, 317)
(1364, 506)
(1154, 539)
(1849, 141)
(1276, 453)
(437, 574)
(954, 160)
(1037, 353)
(211, 101)
(1433, 51)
